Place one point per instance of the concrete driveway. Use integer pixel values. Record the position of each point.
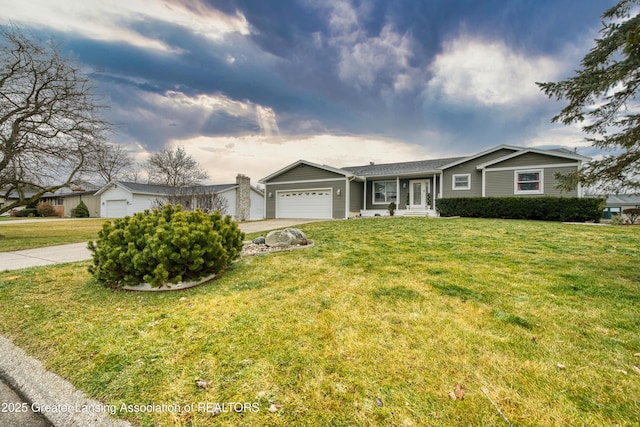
(27, 258)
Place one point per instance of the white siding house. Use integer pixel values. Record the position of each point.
(119, 199)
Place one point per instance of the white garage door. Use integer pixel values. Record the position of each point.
(116, 208)
(304, 204)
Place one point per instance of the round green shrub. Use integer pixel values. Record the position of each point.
(82, 211)
(166, 246)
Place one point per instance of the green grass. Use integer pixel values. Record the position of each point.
(391, 311)
(34, 233)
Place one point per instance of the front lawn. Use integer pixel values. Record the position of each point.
(375, 325)
(35, 233)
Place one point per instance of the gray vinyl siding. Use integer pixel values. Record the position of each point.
(304, 172)
(355, 197)
(469, 168)
(502, 183)
(338, 201)
(531, 159)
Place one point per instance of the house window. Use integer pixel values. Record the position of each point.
(384, 191)
(529, 182)
(462, 181)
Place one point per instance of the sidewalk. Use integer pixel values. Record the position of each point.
(44, 256)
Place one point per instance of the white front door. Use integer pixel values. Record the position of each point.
(418, 189)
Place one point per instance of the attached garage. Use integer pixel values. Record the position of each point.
(308, 190)
(310, 203)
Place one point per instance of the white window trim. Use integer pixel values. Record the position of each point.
(373, 192)
(540, 173)
(453, 181)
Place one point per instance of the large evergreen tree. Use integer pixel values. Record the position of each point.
(602, 98)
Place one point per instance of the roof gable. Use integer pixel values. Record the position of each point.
(551, 153)
(294, 165)
(481, 154)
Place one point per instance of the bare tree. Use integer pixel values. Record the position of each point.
(110, 162)
(208, 201)
(50, 119)
(174, 169)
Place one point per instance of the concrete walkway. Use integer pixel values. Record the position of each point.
(27, 258)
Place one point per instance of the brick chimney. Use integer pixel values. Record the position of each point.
(243, 198)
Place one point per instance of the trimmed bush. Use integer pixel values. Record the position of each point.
(81, 211)
(167, 246)
(29, 212)
(46, 209)
(533, 208)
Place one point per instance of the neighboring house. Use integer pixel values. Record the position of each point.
(66, 202)
(307, 190)
(616, 203)
(66, 199)
(119, 199)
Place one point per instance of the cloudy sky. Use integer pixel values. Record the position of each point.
(249, 86)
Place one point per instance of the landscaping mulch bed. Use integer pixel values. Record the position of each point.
(251, 249)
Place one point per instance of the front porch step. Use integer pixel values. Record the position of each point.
(401, 212)
(415, 212)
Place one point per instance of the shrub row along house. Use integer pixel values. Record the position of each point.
(307, 190)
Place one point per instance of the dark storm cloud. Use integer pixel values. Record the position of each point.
(360, 68)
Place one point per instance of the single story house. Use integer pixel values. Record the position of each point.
(307, 190)
(119, 199)
(65, 203)
(616, 203)
(66, 199)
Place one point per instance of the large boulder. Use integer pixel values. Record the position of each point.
(286, 237)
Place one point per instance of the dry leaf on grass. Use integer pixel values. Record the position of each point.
(459, 392)
(203, 383)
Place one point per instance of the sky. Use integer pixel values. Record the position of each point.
(250, 86)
